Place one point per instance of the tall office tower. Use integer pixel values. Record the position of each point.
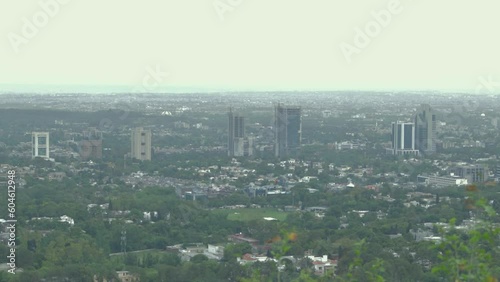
(141, 144)
(236, 131)
(403, 138)
(287, 130)
(91, 145)
(425, 130)
(40, 145)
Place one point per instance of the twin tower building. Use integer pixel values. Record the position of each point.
(417, 137)
(287, 129)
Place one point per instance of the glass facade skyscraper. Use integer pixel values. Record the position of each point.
(288, 130)
(425, 129)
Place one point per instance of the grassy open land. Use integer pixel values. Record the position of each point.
(248, 214)
(140, 255)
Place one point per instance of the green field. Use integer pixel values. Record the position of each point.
(140, 255)
(248, 214)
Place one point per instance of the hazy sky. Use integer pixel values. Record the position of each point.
(249, 45)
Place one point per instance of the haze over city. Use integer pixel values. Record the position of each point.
(249, 141)
(94, 46)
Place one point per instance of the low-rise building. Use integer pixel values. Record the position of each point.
(323, 265)
(473, 173)
(240, 238)
(442, 181)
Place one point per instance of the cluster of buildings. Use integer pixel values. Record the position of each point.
(91, 147)
(321, 265)
(414, 138)
(63, 219)
(287, 138)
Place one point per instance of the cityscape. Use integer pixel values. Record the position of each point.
(327, 171)
(249, 141)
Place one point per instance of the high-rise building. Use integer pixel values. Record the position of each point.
(236, 130)
(425, 130)
(91, 145)
(287, 130)
(40, 145)
(403, 139)
(141, 144)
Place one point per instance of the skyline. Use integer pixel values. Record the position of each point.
(488, 89)
(236, 46)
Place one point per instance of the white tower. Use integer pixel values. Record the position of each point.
(40, 145)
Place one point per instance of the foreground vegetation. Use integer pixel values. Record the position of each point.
(82, 250)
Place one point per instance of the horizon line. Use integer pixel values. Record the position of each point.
(118, 89)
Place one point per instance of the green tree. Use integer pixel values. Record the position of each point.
(472, 255)
(233, 251)
(199, 258)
